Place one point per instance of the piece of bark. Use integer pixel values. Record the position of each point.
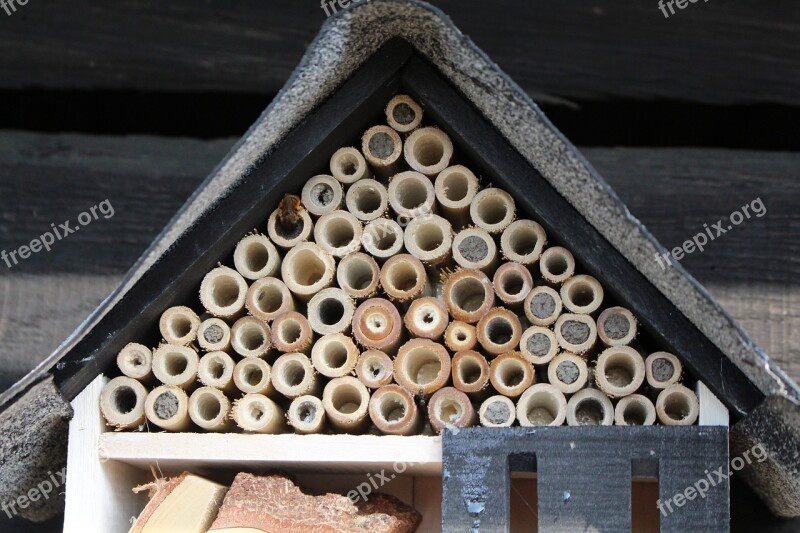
(276, 503)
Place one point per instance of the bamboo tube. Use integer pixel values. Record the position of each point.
(662, 370)
(455, 187)
(358, 275)
(429, 238)
(422, 366)
(322, 194)
(460, 336)
(590, 407)
(290, 224)
(255, 413)
(427, 318)
(334, 355)
(635, 410)
(428, 151)
(250, 337)
(167, 406)
(253, 376)
(382, 148)
(542, 306)
(411, 195)
(576, 333)
(377, 325)
(393, 411)
(449, 407)
(122, 403)
(216, 370)
(209, 409)
(367, 200)
(293, 375)
(268, 298)
(306, 415)
(255, 257)
(214, 335)
(542, 405)
(538, 345)
(512, 283)
(338, 233)
(468, 295)
(619, 371)
(179, 325)
(346, 403)
(492, 210)
(382, 238)
(374, 369)
(403, 277)
(331, 311)
(470, 372)
(403, 113)
(348, 165)
(568, 372)
(522, 241)
(556, 265)
(582, 294)
(291, 332)
(175, 365)
(499, 331)
(474, 248)
(136, 361)
(223, 292)
(497, 411)
(307, 269)
(677, 406)
(616, 326)
(511, 374)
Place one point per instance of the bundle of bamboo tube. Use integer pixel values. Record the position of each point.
(396, 295)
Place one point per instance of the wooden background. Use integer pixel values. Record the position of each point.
(688, 118)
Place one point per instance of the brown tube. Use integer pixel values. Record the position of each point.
(542, 306)
(393, 411)
(250, 337)
(338, 233)
(293, 375)
(122, 403)
(468, 295)
(403, 113)
(136, 361)
(403, 277)
(427, 318)
(330, 311)
(223, 292)
(382, 238)
(619, 371)
(346, 402)
(455, 187)
(358, 275)
(590, 407)
(367, 200)
(175, 365)
(635, 410)
(542, 405)
(256, 257)
(576, 333)
(492, 210)
(568, 372)
(677, 406)
(216, 370)
(556, 265)
(306, 415)
(470, 372)
(322, 194)
(374, 369)
(411, 195)
(255, 413)
(512, 284)
(307, 269)
(538, 345)
(428, 151)
(348, 165)
(269, 298)
(429, 238)
(291, 332)
(290, 224)
(523, 241)
(474, 248)
(214, 335)
(209, 409)
(582, 294)
(422, 366)
(253, 376)
(616, 326)
(377, 325)
(499, 331)
(460, 336)
(511, 374)
(179, 325)
(449, 407)
(382, 147)
(662, 370)
(167, 407)
(497, 411)
(334, 355)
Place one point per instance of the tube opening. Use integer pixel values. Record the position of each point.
(293, 373)
(619, 370)
(124, 399)
(468, 294)
(208, 407)
(411, 193)
(359, 274)
(216, 368)
(346, 399)
(348, 163)
(225, 291)
(307, 412)
(269, 299)
(308, 268)
(403, 114)
(179, 326)
(381, 145)
(255, 411)
(512, 283)
(677, 406)
(499, 330)
(403, 276)
(582, 294)
(455, 186)
(392, 407)
(290, 331)
(511, 373)
(556, 264)
(428, 150)
(331, 311)
(450, 411)
(256, 256)
(250, 337)
(493, 209)
(429, 237)
(175, 363)
(635, 414)
(423, 366)
(523, 240)
(368, 199)
(322, 194)
(335, 355)
(252, 375)
(589, 412)
(542, 409)
(469, 370)
(339, 232)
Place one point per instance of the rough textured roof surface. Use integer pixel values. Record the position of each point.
(350, 38)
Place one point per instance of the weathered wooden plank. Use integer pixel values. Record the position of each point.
(557, 51)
